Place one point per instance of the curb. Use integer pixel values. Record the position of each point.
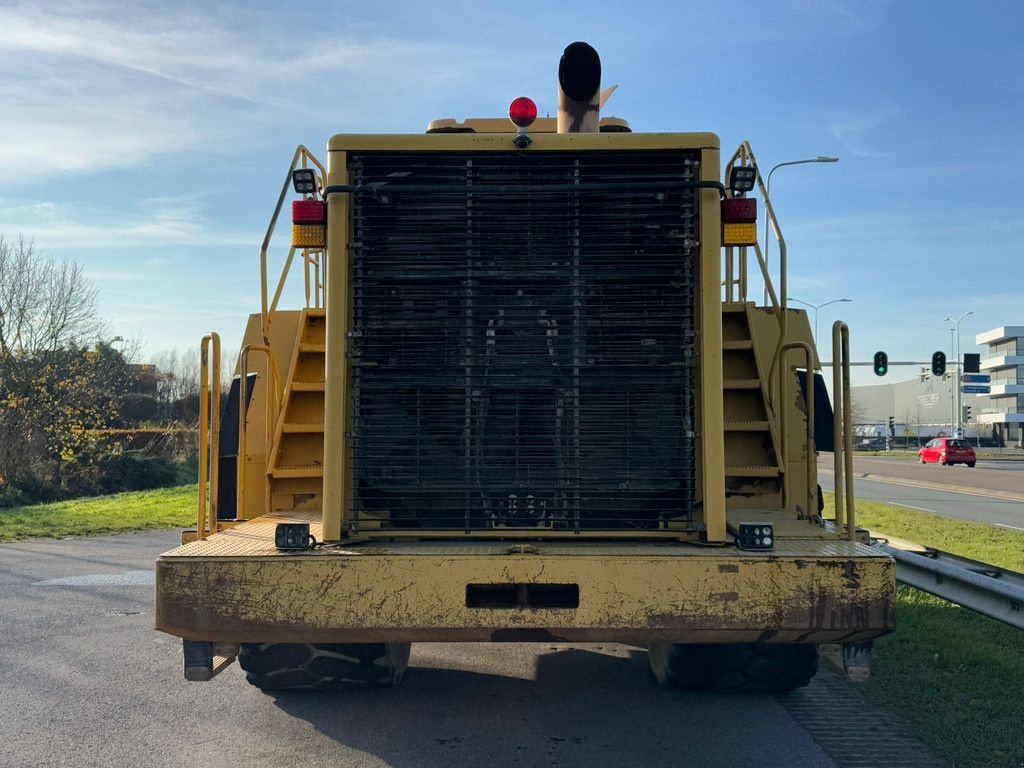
(1008, 495)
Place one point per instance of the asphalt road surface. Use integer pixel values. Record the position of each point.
(909, 484)
(1004, 513)
(988, 475)
(85, 681)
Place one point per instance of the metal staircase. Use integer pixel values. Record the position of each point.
(752, 449)
(296, 464)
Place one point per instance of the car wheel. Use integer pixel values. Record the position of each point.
(919, 456)
(942, 461)
(970, 464)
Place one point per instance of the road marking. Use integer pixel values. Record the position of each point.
(123, 579)
(919, 509)
(1000, 495)
(1011, 527)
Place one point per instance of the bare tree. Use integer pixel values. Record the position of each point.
(178, 387)
(45, 305)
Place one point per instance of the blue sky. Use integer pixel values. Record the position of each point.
(148, 140)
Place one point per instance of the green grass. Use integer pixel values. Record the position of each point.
(135, 511)
(955, 676)
(996, 546)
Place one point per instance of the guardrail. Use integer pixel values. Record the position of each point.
(994, 592)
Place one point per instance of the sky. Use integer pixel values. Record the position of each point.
(148, 141)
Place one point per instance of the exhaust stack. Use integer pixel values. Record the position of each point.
(579, 90)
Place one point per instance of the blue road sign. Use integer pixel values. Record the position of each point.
(976, 389)
(976, 378)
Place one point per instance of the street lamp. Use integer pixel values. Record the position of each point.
(816, 307)
(956, 367)
(768, 189)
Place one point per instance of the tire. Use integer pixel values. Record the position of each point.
(322, 666)
(734, 668)
(970, 464)
(922, 459)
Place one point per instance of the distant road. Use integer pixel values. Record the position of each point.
(989, 476)
(1004, 513)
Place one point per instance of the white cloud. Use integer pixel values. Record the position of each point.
(150, 222)
(854, 132)
(113, 85)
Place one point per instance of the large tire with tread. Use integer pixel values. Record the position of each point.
(322, 666)
(737, 668)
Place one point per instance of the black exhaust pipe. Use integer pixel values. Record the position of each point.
(579, 90)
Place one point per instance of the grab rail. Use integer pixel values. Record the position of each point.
(842, 427)
(273, 397)
(268, 308)
(744, 155)
(209, 432)
(809, 402)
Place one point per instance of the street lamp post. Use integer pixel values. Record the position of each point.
(957, 415)
(816, 307)
(768, 189)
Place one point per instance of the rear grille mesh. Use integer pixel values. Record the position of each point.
(523, 360)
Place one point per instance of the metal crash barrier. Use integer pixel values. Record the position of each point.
(994, 592)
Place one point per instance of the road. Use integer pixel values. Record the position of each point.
(992, 492)
(87, 682)
(1002, 477)
(1004, 513)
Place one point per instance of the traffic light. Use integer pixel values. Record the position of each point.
(938, 363)
(972, 362)
(892, 426)
(967, 413)
(881, 363)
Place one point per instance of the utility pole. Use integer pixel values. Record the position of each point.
(957, 370)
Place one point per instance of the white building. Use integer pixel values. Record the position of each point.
(920, 407)
(1004, 409)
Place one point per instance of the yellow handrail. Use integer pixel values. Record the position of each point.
(745, 156)
(273, 398)
(809, 402)
(842, 426)
(305, 157)
(209, 432)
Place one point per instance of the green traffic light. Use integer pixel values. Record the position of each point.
(881, 363)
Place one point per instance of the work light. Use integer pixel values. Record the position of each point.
(292, 536)
(304, 181)
(756, 536)
(742, 178)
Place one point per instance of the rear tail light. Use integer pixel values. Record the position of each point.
(309, 224)
(739, 221)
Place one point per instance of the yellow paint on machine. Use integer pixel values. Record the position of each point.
(378, 583)
(239, 588)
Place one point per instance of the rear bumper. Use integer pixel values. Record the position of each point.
(804, 591)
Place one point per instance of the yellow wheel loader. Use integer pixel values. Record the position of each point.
(526, 399)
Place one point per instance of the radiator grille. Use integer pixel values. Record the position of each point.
(523, 359)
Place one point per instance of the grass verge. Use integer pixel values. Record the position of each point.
(135, 511)
(957, 677)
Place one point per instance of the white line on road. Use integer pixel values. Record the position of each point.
(911, 506)
(1011, 527)
(123, 579)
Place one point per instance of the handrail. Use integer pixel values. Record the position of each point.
(842, 427)
(809, 402)
(209, 432)
(304, 156)
(745, 155)
(273, 397)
